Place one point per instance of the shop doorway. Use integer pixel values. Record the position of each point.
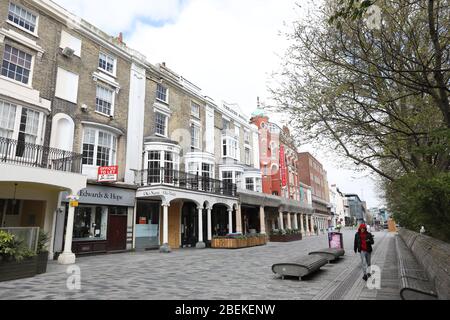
(189, 225)
(117, 232)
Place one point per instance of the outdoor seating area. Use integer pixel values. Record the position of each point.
(423, 264)
(307, 265)
(414, 282)
(330, 254)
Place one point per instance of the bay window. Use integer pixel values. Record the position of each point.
(227, 176)
(154, 166)
(20, 123)
(99, 148)
(7, 119)
(250, 184)
(162, 166)
(238, 179)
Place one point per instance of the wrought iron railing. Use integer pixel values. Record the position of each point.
(184, 180)
(33, 155)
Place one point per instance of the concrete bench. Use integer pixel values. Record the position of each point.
(414, 282)
(433, 256)
(329, 254)
(300, 267)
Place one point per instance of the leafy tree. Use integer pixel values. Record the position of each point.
(379, 97)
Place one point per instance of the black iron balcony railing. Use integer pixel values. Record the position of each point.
(33, 155)
(184, 180)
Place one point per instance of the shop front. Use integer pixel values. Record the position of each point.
(103, 220)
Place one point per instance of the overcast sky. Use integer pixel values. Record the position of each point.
(229, 48)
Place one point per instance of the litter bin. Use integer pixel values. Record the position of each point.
(336, 240)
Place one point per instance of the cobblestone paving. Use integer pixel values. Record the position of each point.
(243, 274)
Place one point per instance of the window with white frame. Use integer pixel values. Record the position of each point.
(29, 126)
(107, 63)
(239, 176)
(162, 93)
(207, 170)
(246, 135)
(195, 136)
(99, 147)
(161, 124)
(248, 158)
(16, 64)
(192, 168)
(258, 185)
(7, 119)
(154, 166)
(104, 102)
(230, 148)
(195, 109)
(22, 17)
(225, 124)
(250, 184)
(20, 123)
(227, 177)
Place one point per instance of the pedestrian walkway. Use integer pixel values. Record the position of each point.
(213, 274)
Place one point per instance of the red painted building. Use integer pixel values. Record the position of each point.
(278, 158)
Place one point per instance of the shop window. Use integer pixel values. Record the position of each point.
(90, 223)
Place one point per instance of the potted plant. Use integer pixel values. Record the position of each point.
(42, 253)
(16, 260)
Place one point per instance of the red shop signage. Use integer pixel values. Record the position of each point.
(108, 174)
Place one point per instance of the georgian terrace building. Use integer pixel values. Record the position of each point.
(35, 167)
(64, 96)
(197, 155)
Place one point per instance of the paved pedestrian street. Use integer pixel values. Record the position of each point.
(215, 274)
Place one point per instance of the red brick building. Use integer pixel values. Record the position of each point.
(312, 173)
(278, 159)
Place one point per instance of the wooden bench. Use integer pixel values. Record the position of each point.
(414, 282)
(300, 267)
(329, 254)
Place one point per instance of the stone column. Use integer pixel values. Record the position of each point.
(68, 257)
(262, 220)
(301, 225)
(200, 244)
(289, 221)
(230, 220)
(296, 221)
(281, 221)
(308, 231)
(209, 224)
(312, 224)
(165, 248)
(238, 219)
